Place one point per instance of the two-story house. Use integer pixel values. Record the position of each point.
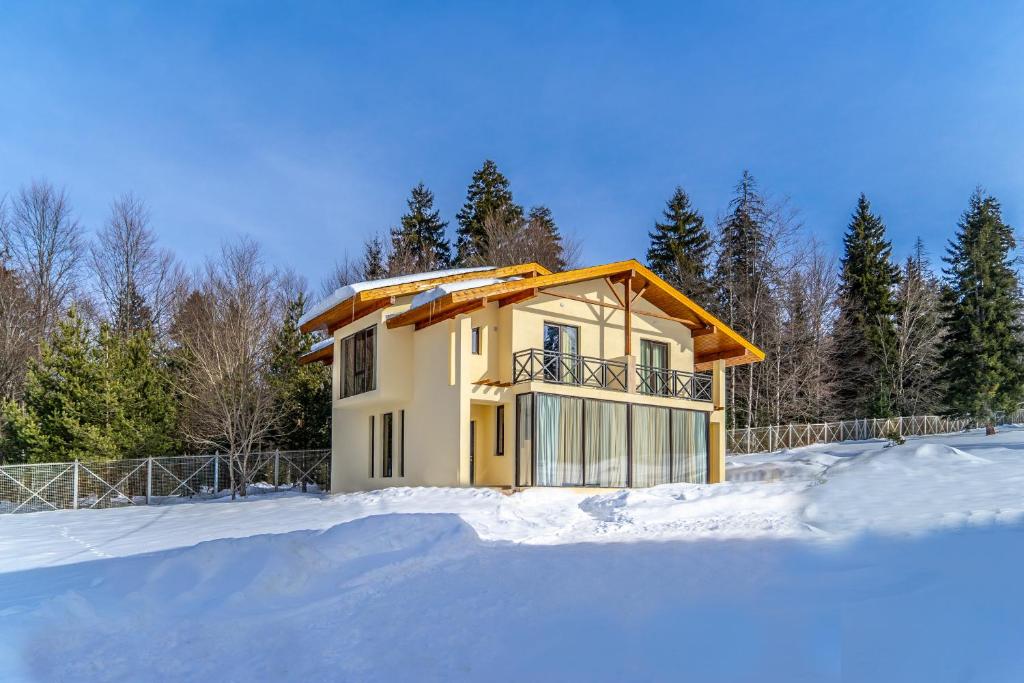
(604, 376)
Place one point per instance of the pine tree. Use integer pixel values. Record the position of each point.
(374, 265)
(419, 245)
(680, 248)
(981, 354)
(303, 392)
(488, 194)
(866, 309)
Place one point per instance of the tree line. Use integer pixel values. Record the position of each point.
(111, 348)
(869, 336)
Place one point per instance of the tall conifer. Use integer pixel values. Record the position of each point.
(488, 194)
(982, 350)
(419, 244)
(681, 248)
(866, 309)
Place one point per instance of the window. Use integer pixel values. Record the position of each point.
(654, 370)
(401, 460)
(561, 353)
(371, 447)
(475, 341)
(499, 431)
(358, 367)
(386, 445)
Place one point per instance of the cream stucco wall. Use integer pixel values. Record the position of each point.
(432, 375)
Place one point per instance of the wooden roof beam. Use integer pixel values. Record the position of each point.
(721, 355)
(451, 313)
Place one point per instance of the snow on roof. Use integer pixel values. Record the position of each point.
(449, 287)
(348, 291)
(319, 346)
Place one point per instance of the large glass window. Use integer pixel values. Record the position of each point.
(651, 447)
(689, 446)
(358, 366)
(559, 448)
(563, 441)
(606, 444)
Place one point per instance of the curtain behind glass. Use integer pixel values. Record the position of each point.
(606, 443)
(559, 453)
(651, 457)
(524, 435)
(689, 447)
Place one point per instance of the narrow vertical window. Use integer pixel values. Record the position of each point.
(475, 341)
(401, 429)
(386, 445)
(499, 431)
(371, 447)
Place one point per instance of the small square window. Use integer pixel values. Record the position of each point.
(475, 341)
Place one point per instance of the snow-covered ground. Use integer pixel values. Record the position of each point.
(849, 562)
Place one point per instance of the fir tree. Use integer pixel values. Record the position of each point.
(92, 398)
(374, 265)
(302, 392)
(866, 308)
(419, 245)
(681, 248)
(488, 194)
(982, 350)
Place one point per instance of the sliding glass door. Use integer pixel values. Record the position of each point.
(606, 443)
(558, 445)
(651, 446)
(561, 348)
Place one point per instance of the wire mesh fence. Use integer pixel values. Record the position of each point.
(767, 439)
(147, 481)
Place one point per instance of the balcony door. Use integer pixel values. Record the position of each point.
(654, 374)
(561, 353)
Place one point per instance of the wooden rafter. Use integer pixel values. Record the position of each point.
(611, 286)
(451, 313)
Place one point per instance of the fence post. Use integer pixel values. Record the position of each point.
(216, 473)
(149, 479)
(277, 468)
(74, 488)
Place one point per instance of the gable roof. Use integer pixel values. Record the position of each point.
(712, 339)
(348, 304)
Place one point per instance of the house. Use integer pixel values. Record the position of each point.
(603, 376)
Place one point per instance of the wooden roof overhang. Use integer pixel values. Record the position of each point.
(367, 301)
(712, 339)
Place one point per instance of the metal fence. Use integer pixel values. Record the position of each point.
(115, 483)
(766, 439)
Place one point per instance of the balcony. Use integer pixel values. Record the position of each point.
(694, 386)
(537, 365)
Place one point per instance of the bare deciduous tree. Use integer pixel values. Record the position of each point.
(139, 283)
(43, 242)
(911, 358)
(513, 239)
(345, 272)
(17, 322)
(225, 350)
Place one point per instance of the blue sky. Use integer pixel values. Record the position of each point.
(305, 126)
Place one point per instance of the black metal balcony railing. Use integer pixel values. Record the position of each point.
(673, 383)
(537, 365)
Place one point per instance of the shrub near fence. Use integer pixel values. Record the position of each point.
(767, 439)
(113, 483)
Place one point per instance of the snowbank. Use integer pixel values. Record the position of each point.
(850, 562)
